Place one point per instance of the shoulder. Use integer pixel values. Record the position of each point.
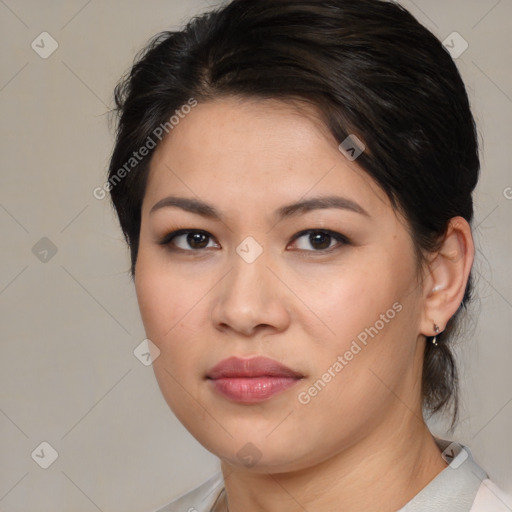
(463, 486)
(200, 499)
(490, 498)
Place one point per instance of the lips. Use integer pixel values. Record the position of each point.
(248, 381)
(255, 367)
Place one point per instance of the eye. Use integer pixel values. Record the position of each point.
(320, 240)
(187, 240)
(194, 240)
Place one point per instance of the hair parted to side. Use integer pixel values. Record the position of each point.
(368, 67)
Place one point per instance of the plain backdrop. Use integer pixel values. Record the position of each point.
(69, 317)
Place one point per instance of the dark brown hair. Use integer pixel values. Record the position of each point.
(367, 66)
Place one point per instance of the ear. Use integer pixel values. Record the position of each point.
(446, 276)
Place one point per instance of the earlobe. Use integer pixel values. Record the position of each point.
(447, 276)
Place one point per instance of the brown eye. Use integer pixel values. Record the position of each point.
(197, 240)
(187, 240)
(319, 240)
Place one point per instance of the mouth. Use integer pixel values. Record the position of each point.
(251, 380)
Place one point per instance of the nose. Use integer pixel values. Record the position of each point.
(250, 299)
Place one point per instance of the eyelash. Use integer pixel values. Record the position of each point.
(169, 238)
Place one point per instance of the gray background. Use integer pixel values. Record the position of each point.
(70, 321)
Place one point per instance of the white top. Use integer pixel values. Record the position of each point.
(463, 486)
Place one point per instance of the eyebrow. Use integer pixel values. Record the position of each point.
(316, 203)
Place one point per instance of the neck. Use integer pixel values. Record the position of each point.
(381, 472)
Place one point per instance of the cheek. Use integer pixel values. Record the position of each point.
(173, 310)
(164, 301)
(350, 298)
(360, 375)
(164, 298)
(372, 318)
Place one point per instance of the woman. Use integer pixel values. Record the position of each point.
(294, 180)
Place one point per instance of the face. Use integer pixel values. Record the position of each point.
(328, 290)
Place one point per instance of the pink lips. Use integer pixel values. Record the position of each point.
(251, 380)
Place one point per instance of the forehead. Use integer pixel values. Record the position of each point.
(266, 151)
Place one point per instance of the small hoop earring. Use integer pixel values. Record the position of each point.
(434, 340)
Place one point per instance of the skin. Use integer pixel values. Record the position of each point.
(361, 441)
